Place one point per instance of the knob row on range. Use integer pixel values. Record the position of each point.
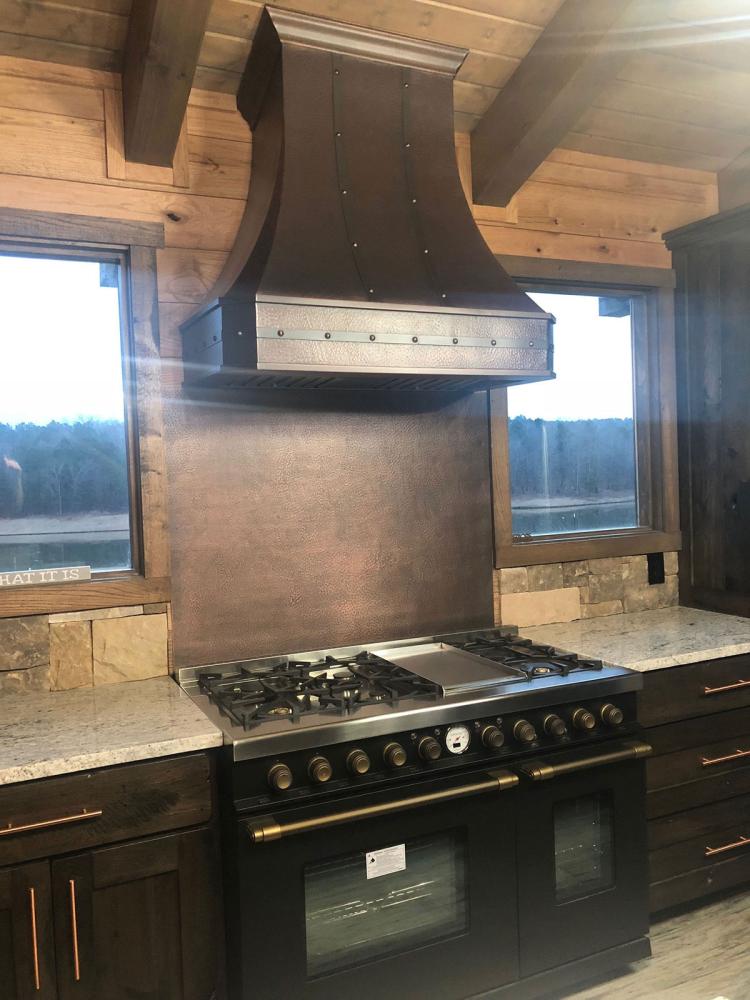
(582, 720)
(320, 770)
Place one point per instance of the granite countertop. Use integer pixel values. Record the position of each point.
(650, 640)
(46, 733)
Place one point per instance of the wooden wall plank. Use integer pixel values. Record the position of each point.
(215, 123)
(50, 97)
(219, 167)
(187, 275)
(55, 146)
(44, 20)
(564, 246)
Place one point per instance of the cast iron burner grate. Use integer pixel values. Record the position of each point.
(296, 687)
(532, 659)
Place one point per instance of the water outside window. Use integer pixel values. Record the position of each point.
(64, 497)
(572, 441)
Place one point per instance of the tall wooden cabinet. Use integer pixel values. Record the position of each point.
(712, 263)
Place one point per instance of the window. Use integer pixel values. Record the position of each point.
(584, 466)
(64, 466)
(572, 441)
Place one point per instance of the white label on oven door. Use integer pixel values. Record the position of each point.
(386, 861)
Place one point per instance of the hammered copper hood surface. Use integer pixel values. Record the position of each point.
(358, 261)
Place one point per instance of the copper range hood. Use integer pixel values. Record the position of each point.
(358, 263)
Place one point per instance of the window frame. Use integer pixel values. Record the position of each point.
(656, 423)
(134, 245)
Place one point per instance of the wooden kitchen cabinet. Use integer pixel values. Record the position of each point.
(711, 259)
(137, 918)
(27, 954)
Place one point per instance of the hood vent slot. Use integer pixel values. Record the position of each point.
(358, 263)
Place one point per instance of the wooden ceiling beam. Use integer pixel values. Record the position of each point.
(161, 54)
(567, 65)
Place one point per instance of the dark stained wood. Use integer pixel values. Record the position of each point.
(161, 54)
(586, 273)
(695, 732)
(687, 765)
(545, 97)
(135, 799)
(149, 920)
(690, 855)
(704, 821)
(17, 976)
(699, 883)
(104, 592)
(691, 794)
(64, 227)
(678, 692)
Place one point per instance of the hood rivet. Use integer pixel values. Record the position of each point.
(338, 135)
(455, 340)
(345, 191)
(239, 333)
(355, 244)
(415, 340)
(494, 343)
(443, 295)
(414, 201)
(371, 291)
(327, 336)
(531, 343)
(279, 333)
(406, 84)
(427, 251)
(372, 336)
(408, 145)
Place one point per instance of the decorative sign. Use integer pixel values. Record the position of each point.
(33, 577)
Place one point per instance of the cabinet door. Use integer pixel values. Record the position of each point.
(139, 920)
(27, 957)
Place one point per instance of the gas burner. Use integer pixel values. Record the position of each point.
(298, 687)
(522, 655)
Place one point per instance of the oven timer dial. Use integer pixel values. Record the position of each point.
(457, 739)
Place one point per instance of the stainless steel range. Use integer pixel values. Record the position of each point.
(450, 816)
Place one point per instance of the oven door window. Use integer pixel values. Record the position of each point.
(351, 919)
(584, 846)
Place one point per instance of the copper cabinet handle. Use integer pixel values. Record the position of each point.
(742, 842)
(726, 687)
(74, 929)
(542, 770)
(45, 824)
(267, 828)
(34, 941)
(736, 755)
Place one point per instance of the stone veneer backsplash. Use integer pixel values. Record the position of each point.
(588, 588)
(84, 648)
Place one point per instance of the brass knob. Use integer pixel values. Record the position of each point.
(492, 737)
(320, 770)
(554, 726)
(428, 748)
(280, 777)
(583, 719)
(524, 732)
(358, 762)
(394, 755)
(611, 715)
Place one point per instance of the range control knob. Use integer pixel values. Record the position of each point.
(583, 720)
(524, 732)
(492, 737)
(394, 755)
(320, 770)
(280, 777)
(358, 762)
(428, 748)
(611, 715)
(554, 726)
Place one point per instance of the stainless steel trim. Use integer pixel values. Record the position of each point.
(291, 300)
(543, 770)
(416, 338)
(268, 828)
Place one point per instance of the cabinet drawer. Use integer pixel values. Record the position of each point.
(708, 822)
(99, 807)
(695, 689)
(734, 725)
(693, 794)
(726, 757)
(699, 882)
(701, 852)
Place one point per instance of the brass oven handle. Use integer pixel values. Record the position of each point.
(542, 770)
(45, 824)
(267, 828)
(74, 929)
(34, 942)
(726, 687)
(742, 842)
(710, 761)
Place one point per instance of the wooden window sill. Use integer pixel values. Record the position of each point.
(112, 591)
(553, 550)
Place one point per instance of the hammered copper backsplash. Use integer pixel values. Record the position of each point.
(307, 519)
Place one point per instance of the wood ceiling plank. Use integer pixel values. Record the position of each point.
(54, 98)
(49, 50)
(213, 123)
(650, 169)
(187, 276)
(219, 167)
(564, 246)
(635, 98)
(223, 52)
(160, 58)
(727, 53)
(472, 99)
(734, 183)
(628, 150)
(45, 145)
(487, 70)
(650, 131)
(219, 80)
(545, 96)
(670, 73)
(77, 76)
(63, 22)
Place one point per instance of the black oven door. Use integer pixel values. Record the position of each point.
(583, 868)
(396, 893)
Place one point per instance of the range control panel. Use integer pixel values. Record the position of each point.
(435, 749)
